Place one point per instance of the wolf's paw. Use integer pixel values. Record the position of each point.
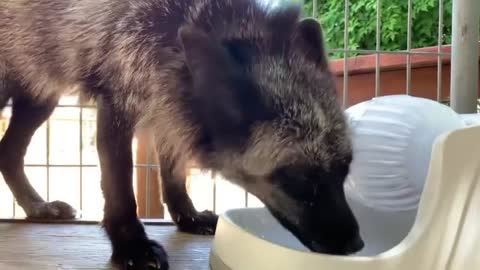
(203, 223)
(140, 255)
(51, 210)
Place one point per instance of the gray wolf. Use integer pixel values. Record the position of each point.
(242, 88)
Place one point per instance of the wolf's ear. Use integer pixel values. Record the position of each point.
(224, 100)
(309, 40)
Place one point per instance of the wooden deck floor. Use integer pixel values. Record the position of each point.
(66, 246)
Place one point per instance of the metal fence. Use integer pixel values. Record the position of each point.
(72, 174)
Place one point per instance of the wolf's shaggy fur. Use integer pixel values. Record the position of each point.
(240, 87)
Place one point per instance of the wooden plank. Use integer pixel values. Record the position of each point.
(61, 246)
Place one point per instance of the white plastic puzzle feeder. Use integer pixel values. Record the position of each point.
(439, 233)
(392, 144)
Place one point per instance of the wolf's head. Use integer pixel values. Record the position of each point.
(269, 120)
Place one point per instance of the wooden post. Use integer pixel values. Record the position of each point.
(464, 69)
(145, 155)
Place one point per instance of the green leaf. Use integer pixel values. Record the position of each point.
(363, 19)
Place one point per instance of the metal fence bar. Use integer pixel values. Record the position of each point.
(147, 192)
(464, 65)
(409, 47)
(213, 175)
(9, 104)
(439, 50)
(151, 166)
(47, 165)
(76, 106)
(14, 207)
(80, 120)
(401, 52)
(246, 198)
(345, 54)
(61, 165)
(378, 47)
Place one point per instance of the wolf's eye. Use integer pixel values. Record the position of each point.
(297, 181)
(241, 51)
(294, 173)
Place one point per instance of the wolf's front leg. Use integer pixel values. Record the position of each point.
(179, 203)
(130, 245)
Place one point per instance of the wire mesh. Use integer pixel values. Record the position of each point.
(351, 57)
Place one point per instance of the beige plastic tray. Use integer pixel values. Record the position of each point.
(443, 235)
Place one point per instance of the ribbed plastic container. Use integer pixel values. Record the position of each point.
(443, 235)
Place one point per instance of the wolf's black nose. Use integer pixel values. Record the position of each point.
(356, 245)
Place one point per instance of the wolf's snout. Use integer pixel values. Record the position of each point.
(351, 247)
